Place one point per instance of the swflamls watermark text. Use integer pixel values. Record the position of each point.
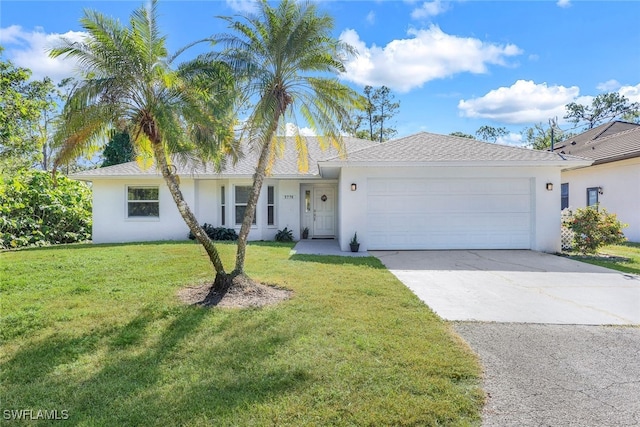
(35, 414)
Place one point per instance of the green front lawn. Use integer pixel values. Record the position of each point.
(99, 332)
(625, 257)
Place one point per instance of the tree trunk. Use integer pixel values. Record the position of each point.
(187, 215)
(258, 180)
(381, 121)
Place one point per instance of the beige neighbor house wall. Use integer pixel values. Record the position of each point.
(620, 183)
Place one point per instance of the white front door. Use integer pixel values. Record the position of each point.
(324, 212)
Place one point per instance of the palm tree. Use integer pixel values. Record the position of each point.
(279, 55)
(127, 76)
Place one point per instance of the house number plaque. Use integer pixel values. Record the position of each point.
(289, 196)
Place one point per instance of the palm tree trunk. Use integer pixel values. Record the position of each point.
(188, 216)
(258, 180)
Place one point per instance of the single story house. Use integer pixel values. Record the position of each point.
(613, 179)
(424, 191)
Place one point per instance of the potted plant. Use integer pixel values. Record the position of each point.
(305, 233)
(355, 245)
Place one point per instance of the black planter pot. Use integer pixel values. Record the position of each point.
(355, 247)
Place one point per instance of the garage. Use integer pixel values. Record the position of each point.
(449, 213)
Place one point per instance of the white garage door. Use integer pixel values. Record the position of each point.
(448, 213)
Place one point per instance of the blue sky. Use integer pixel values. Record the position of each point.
(454, 66)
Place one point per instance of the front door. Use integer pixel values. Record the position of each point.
(324, 212)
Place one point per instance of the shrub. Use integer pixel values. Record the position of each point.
(284, 235)
(217, 233)
(35, 211)
(595, 228)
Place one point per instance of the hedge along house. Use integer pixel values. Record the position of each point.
(424, 191)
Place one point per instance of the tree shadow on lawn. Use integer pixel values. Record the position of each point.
(370, 261)
(133, 383)
(89, 245)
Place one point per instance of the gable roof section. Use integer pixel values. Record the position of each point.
(285, 165)
(606, 143)
(429, 148)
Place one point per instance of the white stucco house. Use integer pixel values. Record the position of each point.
(424, 191)
(613, 180)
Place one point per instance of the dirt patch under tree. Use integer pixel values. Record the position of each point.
(243, 294)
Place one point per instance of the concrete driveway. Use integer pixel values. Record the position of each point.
(517, 287)
(527, 316)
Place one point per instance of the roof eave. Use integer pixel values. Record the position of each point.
(626, 156)
(91, 178)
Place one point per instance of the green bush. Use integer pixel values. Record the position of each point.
(35, 211)
(595, 228)
(217, 233)
(284, 235)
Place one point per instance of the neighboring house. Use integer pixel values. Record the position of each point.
(613, 180)
(423, 191)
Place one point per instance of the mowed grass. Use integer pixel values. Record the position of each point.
(99, 332)
(625, 257)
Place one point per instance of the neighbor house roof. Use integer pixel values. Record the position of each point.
(606, 143)
(422, 148)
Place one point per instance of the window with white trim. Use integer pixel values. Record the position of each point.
(592, 196)
(223, 207)
(143, 202)
(241, 200)
(564, 196)
(271, 205)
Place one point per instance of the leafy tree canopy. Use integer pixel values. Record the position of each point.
(538, 136)
(604, 107)
(491, 134)
(128, 76)
(118, 150)
(21, 106)
(276, 55)
(373, 122)
(462, 135)
(36, 211)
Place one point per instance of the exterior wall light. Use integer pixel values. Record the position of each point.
(354, 187)
(600, 191)
(549, 186)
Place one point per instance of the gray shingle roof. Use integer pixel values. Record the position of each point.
(285, 165)
(421, 147)
(429, 147)
(606, 143)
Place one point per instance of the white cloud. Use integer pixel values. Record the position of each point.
(632, 93)
(29, 49)
(291, 128)
(609, 85)
(511, 139)
(371, 17)
(429, 9)
(523, 102)
(243, 6)
(426, 55)
(10, 34)
(563, 3)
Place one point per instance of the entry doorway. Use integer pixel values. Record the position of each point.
(319, 210)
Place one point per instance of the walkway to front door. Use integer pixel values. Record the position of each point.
(322, 247)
